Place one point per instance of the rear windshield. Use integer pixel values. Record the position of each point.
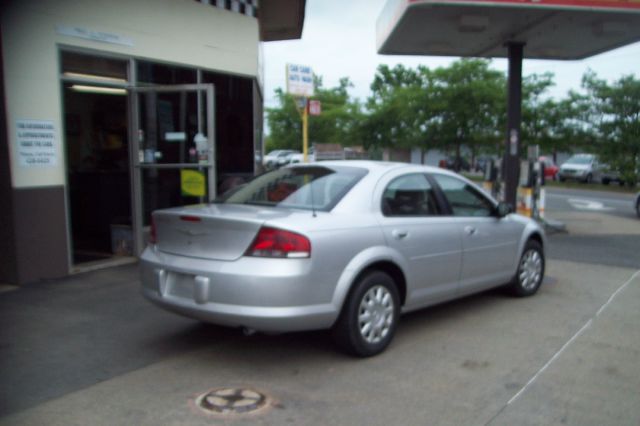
(305, 187)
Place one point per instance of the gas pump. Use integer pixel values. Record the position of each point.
(530, 200)
(491, 182)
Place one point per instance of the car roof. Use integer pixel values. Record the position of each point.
(378, 167)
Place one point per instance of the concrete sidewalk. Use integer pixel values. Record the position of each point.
(566, 356)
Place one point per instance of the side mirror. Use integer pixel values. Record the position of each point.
(503, 209)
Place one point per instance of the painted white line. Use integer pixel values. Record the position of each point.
(616, 293)
(619, 201)
(584, 204)
(575, 336)
(553, 358)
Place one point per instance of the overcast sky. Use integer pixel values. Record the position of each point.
(338, 40)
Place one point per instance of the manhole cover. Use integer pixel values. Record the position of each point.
(232, 401)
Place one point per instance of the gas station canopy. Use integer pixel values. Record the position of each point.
(550, 29)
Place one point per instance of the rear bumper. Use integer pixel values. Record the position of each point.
(271, 295)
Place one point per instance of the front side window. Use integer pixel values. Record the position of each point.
(308, 187)
(409, 195)
(464, 199)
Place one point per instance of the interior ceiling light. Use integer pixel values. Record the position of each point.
(94, 77)
(98, 89)
(473, 23)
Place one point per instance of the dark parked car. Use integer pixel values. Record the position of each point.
(458, 164)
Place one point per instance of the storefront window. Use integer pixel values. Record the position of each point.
(107, 70)
(165, 74)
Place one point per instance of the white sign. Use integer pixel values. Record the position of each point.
(94, 35)
(36, 143)
(175, 136)
(299, 80)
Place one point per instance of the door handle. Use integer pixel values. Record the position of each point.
(398, 234)
(470, 230)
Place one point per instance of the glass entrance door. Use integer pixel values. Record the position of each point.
(173, 149)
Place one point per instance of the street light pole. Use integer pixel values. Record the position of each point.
(305, 130)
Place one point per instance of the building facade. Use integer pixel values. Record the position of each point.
(114, 109)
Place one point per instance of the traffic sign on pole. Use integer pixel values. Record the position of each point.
(315, 107)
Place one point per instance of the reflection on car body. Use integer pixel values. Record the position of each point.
(345, 245)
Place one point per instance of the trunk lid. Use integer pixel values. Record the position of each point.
(216, 231)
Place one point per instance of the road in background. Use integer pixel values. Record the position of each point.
(589, 240)
(588, 200)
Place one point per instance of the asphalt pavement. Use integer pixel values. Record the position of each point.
(89, 350)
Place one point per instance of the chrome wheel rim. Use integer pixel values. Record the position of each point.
(375, 314)
(530, 269)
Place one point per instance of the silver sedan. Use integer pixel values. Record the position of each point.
(346, 246)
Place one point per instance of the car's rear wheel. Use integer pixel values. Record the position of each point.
(530, 271)
(369, 316)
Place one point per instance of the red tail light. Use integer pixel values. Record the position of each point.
(272, 242)
(190, 218)
(153, 236)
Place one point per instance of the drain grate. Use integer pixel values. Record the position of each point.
(232, 401)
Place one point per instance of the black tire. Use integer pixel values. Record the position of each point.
(605, 181)
(589, 178)
(638, 207)
(530, 272)
(561, 179)
(347, 331)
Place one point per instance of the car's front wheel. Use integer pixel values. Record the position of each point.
(530, 271)
(369, 316)
(638, 207)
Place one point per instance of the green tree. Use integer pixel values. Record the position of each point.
(472, 105)
(446, 108)
(547, 122)
(338, 122)
(285, 126)
(394, 109)
(613, 112)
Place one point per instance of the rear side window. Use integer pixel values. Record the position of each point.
(307, 187)
(464, 199)
(409, 195)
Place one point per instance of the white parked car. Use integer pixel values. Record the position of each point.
(298, 157)
(582, 167)
(278, 158)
